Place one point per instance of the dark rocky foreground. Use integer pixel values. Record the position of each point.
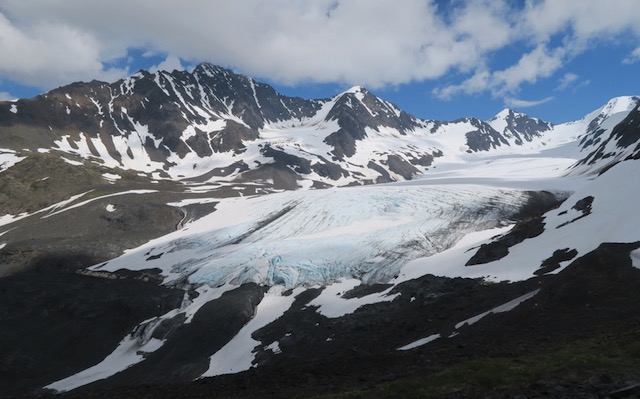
(578, 337)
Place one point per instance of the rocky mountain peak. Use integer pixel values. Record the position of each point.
(620, 104)
(517, 126)
(504, 114)
(356, 90)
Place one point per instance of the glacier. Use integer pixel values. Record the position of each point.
(307, 238)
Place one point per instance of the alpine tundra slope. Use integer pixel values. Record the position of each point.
(256, 223)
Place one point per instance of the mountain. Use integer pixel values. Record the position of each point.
(168, 126)
(172, 227)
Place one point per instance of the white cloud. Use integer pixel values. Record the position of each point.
(633, 57)
(566, 81)
(170, 64)
(481, 81)
(584, 20)
(571, 80)
(539, 63)
(371, 42)
(4, 96)
(518, 103)
(48, 54)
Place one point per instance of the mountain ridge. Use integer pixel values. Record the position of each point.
(192, 116)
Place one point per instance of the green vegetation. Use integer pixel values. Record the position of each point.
(617, 357)
(43, 179)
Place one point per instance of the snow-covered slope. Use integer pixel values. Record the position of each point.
(612, 135)
(212, 126)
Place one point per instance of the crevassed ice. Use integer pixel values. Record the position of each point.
(318, 237)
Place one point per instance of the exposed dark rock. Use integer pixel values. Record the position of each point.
(398, 165)
(232, 137)
(384, 175)
(357, 353)
(343, 142)
(424, 160)
(354, 116)
(523, 128)
(236, 167)
(364, 290)
(299, 165)
(329, 169)
(484, 138)
(58, 332)
(530, 226)
(625, 135)
(185, 355)
(552, 263)
(282, 176)
(583, 205)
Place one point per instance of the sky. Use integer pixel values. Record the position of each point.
(445, 59)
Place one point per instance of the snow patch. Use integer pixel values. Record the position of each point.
(498, 309)
(128, 353)
(237, 355)
(8, 158)
(420, 342)
(274, 347)
(55, 209)
(110, 208)
(14, 108)
(70, 162)
(111, 177)
(331, 303)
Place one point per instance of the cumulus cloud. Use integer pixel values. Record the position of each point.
(518, 103)
(538, 63)
(372, 42)
(170, 64)
(580, 21)
(567, 80)
(633, 57)
(4, 96)
(571, 80)
(47, 54)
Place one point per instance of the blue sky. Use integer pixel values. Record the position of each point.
(553, 59)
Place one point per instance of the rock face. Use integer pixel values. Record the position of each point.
(51, 309)
(518, 126)
(623, 143)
